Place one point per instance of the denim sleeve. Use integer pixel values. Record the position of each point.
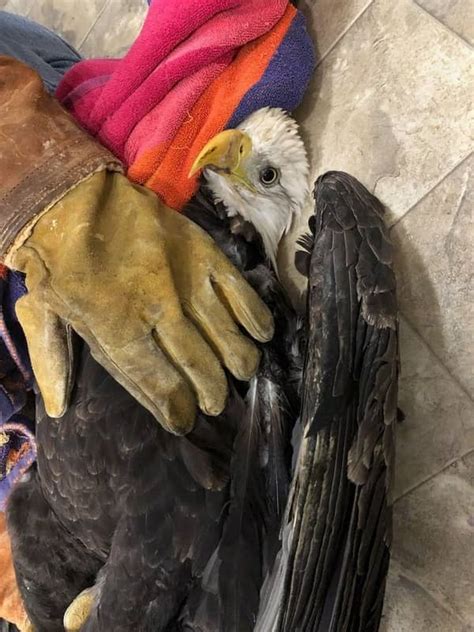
(36, 46)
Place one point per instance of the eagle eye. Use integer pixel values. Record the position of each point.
(269, 176)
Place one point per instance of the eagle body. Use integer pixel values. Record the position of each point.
(275, 515)
(171, 531)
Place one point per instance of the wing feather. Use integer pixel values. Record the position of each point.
(336, 533)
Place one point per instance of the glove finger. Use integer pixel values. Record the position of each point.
(243, 302)
(236, 351)
(49, 342)
(147, 374)
(190, 352)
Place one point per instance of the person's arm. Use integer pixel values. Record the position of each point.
(156, 300)
(43, 153)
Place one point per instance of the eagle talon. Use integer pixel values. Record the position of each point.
(78, 610)
(27, 626)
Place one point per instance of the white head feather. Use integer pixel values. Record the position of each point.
(271, 208)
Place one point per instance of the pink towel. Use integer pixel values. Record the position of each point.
(183, 46)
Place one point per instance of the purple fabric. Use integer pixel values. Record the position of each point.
(296, 52)
(17, 453)
(17, 443)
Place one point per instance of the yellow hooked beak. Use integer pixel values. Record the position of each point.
(226, 153)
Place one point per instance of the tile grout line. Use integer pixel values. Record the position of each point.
(435, 185)
(416, 579)
(89, 31)
(439, 360)
(442, 24)
(433, 475)
(344, 32)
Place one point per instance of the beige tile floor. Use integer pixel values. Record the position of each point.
(391, 102)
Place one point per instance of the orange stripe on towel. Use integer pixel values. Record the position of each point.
(165, 169)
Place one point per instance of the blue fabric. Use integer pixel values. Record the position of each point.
(17, 443)
(16, 377)
(38, 47)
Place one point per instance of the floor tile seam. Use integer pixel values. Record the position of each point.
(420, 336)
(344, 32)
(415, 578)
(94, 23)
(433, 475)
(440, 181)
(443, 25)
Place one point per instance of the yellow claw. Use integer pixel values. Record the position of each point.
(27, 626)
(78, 611)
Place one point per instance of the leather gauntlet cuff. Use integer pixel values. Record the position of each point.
(43, 153)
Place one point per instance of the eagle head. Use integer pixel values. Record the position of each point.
(260, 172)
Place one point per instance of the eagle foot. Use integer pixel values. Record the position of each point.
(79, 609)
(27, 626)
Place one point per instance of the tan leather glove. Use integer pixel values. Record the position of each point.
(152, 295)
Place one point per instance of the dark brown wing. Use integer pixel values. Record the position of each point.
(146, 504)
(336, 535)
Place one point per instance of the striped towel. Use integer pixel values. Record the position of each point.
(196, 68)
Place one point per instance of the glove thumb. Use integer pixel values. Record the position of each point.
(49, 342)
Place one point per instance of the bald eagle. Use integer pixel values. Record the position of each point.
(275, 515)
